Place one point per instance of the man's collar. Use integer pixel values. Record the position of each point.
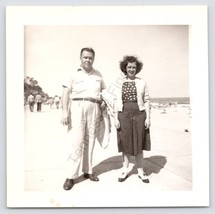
(82, 69)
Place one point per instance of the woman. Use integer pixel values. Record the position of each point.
(132, 116)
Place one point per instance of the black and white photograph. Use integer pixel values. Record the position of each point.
(111, 107)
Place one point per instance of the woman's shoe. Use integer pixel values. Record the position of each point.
(123, 177)
(144, 178)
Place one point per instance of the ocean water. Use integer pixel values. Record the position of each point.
(166, 100)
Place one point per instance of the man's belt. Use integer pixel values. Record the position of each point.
(88, 99)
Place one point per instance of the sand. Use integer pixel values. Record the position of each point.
(169, 163)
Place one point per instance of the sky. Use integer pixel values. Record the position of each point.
(52, 53)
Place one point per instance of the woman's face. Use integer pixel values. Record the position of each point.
(131, 69)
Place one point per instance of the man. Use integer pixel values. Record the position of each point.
(31, 102)
(57, 101)
(51, 102)
(84, 89)
(38, 100)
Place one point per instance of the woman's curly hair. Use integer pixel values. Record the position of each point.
(130, 59)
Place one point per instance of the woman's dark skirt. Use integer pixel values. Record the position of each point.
(132, 136)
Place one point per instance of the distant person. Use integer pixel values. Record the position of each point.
(84, 88)
(132, 117)
(38, 100)
(30, 102)
(51, 102)
(57, 102)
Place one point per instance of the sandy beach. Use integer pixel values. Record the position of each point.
(169, 163)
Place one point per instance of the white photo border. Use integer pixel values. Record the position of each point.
(194, 16)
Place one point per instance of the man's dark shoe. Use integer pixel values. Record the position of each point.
(69, 183)
(92, 177)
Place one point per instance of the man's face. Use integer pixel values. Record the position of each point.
(87, 60)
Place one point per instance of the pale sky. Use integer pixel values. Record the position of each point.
(52, 52)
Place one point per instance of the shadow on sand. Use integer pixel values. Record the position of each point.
(151, 165)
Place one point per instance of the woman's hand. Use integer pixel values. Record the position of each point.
(116, 123)
(147, 123)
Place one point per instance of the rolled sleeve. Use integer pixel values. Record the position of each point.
(67, 83)
(103, 85)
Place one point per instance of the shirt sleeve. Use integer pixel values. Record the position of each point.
(103, 85)
(67, 83)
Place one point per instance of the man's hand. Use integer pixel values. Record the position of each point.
(65, 119)
(103, 106)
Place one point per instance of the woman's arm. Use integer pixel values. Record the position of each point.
(148, 119)
(115, 113)
(147, 107)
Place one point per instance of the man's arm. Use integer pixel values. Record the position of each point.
(65, 106)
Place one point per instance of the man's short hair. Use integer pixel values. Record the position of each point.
(88, 50)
